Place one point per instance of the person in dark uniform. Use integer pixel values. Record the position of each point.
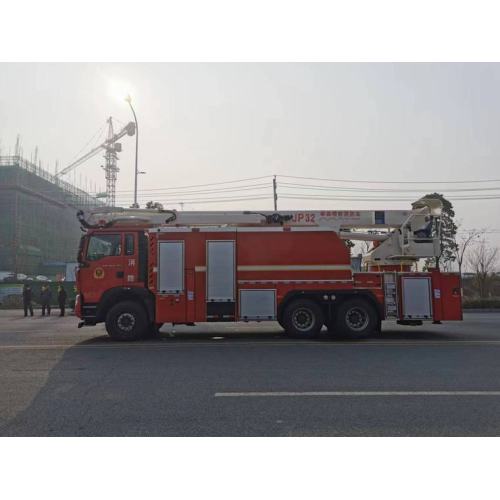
(28, 306)
(45, 296)
(61, 298)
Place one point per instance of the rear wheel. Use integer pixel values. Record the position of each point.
(303, 319)
(355, 318)
(126, 321)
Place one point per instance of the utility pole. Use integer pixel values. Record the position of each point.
(16, 232)
(129, 100)
(275, 194)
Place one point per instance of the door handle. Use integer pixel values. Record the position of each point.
(119, 274)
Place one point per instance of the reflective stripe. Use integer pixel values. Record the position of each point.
(339, 267)
(320, 267)
(291, 282)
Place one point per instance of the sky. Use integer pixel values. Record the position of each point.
(205, 123)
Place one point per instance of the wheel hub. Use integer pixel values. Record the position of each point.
(126, 322)
(303, 319)
(357, 318)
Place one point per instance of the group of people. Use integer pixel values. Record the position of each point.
(45, 299)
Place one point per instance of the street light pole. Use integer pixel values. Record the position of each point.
(129, 100)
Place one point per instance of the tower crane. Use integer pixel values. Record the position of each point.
(111, 147)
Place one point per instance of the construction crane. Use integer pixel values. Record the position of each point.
(111, 147)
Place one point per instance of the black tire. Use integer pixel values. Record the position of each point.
(126, 321)
(303, 318)
(153, 330)
(355, 318)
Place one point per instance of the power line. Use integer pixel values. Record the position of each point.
(212, 200)
(357, 181)
(300, 196)
(203, 185)
(328, 180)
(261, 191)
(158, 192)
(288, 185)
(92, 139)
(293, 190)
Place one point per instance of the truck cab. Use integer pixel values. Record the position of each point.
(112, 265)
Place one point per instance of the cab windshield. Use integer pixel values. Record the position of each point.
(103, 245)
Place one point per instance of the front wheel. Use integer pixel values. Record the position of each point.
(126, 321)
(355, 318)
(303, 319)
(153, 330)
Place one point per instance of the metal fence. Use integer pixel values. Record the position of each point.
(11, 294)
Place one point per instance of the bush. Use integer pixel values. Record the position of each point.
(491, 303)
(12, 302)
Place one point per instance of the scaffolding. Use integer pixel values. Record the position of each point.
(37, 224)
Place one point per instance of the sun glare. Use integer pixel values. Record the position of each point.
(119, 90)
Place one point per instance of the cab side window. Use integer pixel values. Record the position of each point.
(129, 244)
(104, 245)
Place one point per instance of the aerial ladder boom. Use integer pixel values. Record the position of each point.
(401, 235)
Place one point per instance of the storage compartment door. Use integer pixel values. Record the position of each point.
(258, 305)
(416, 297)
(221, 304)
(171, 296)
(220, 271)
(449, 295)
(171, 267)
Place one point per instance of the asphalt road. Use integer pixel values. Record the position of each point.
(248, 380)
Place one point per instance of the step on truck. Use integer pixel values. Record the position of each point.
(140, 269)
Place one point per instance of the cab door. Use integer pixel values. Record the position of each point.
(134, 270)
(103, 265)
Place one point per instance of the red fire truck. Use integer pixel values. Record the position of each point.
(139, 269)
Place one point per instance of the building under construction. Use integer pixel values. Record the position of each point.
(38, 225)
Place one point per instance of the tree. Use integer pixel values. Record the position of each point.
(448, 235)
(462, 244)
(482, 260)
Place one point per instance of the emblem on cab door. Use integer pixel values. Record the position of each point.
(99, 273)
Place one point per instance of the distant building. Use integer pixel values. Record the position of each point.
(38, 224)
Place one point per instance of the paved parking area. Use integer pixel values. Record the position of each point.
(248, 380)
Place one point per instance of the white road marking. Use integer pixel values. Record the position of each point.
(355, 393)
